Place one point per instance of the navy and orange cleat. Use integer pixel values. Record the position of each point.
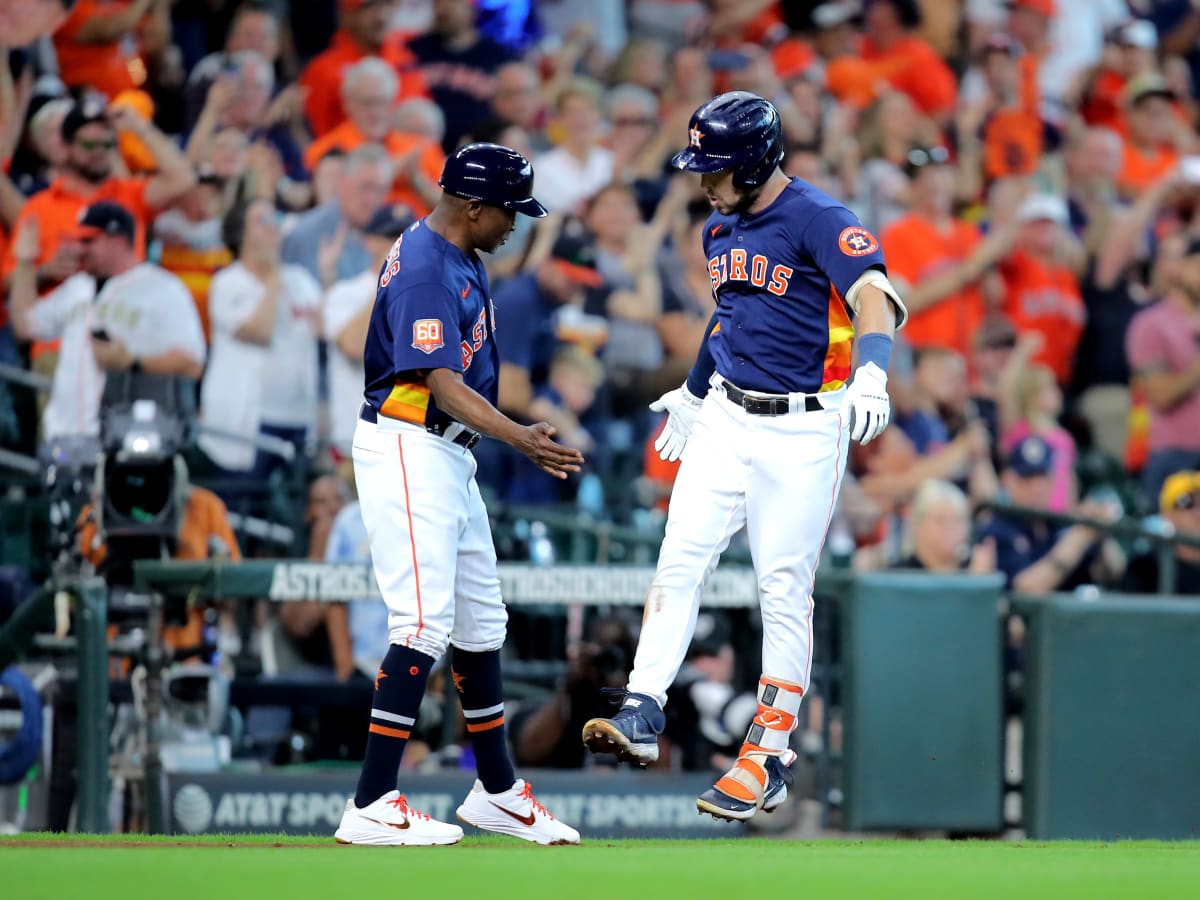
(739, 794)
(631, 734)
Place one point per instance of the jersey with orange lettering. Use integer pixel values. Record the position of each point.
(779, 277)
(438, 315)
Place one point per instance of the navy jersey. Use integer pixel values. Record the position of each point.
(433, 310)
(779, 277)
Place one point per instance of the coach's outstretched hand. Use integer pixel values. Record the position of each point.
(551, 457)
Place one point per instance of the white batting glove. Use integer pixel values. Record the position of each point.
(681, 406)
(866, 403)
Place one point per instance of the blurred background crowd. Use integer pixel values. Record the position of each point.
(206, 189)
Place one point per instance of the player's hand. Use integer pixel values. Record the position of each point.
(681, 407)
(551, 457)
(866, 403)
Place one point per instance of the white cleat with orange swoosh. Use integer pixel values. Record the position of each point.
(515, 812)
(391, 822)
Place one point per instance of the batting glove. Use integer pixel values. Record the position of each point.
(681, 406)
(866, 403)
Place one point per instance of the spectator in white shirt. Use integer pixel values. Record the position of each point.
(262, 373)
(117, 315)
(574, 171)
(345, 316)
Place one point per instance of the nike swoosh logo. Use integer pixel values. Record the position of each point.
(524, 820)
(389, 824)
(712, 232)
(466, 291)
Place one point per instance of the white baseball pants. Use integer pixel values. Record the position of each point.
(778, 476)
(431, 544)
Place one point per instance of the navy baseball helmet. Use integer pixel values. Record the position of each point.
(491, 174)
(737, 130)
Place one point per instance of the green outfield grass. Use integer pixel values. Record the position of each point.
(266, 867)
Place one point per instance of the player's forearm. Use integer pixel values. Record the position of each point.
(876, 313)
(465, 405)
(705, 365)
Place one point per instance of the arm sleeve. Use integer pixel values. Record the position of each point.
(705, 365)
(841, 247)
(425, 327)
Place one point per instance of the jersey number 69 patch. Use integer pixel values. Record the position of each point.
(427, 335)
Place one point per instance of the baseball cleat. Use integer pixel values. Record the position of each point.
(632, 734)
(515, 812)
(721, 802)
(391, 822)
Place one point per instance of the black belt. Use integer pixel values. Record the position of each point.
(455, 432)
(767, 404)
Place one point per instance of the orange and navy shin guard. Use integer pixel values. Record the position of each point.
(769, 734)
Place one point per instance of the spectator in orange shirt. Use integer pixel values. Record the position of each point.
(363, 32)
(90, 131)
(1014, 136)
(940, 264)
(1029, 22)
(369, 92)
(98, 44)
(1149, 142)
(1129, 52)
(904, 60)
(1041, 277)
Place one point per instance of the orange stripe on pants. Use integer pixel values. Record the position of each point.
(412, 538)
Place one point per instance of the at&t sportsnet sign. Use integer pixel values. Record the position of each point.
(605, 805)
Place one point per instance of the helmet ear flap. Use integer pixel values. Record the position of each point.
(756, 174)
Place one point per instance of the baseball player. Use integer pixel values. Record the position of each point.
(762, 426)
(431, 369)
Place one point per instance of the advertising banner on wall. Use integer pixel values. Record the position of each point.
(609, 805)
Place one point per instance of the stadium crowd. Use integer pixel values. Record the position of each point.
(206, 188)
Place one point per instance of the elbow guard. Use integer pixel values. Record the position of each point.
(879, 280)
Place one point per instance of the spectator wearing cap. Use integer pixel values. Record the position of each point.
(363, 31)
(189, 238)
(1131, 52)
(117, 315)
(891, 44)
(101, 44)
(941, 265)
(1164, 354)
(1030, 22)
(345, 315)
(1150, 140)
(1037, 557)
(262, 372)
(327, 240)
(369, 91)
(1042, 283)
(459, 65)
(574, 171)
(1179, 505)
